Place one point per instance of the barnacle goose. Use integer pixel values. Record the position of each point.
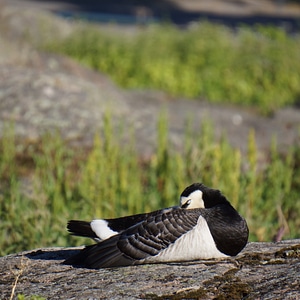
(101, 229)
(203, 226)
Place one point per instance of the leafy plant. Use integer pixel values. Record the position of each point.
(111, 180)
(252, 67)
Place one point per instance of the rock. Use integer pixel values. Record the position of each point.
(261, 271)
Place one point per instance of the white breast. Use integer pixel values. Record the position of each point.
(196, 244)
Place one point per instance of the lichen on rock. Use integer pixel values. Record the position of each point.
(260, 271)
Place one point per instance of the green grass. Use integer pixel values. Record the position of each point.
(33, 297)
(110, 180)
(258, 68)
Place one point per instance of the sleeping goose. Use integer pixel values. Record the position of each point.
(203, 226)
(101, 229)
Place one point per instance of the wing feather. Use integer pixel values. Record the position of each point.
(145, 239)
(83, 228)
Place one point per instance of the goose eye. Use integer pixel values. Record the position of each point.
(186, 204)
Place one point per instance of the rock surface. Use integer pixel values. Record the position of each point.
(261, 271)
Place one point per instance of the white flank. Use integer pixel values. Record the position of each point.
(100, 227)
(196, 200)
(196, 244)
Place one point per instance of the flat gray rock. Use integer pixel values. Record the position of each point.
(261, 271)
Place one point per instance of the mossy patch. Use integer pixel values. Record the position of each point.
(278, 257)
(227, 286)
(290, 252)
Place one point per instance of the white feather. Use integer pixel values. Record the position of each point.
(101, 229)
(196, 200)
(196, 244)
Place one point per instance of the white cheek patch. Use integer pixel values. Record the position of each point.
(184, 200)
(196, 200)
(101, 229)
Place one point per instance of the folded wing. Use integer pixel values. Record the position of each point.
(143, 240)
(101, 229)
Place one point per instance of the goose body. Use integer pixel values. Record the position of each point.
(203, 226)
(101, 229)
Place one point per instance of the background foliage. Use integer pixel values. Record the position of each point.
(110, 180)
(257, 67)
(44, 184)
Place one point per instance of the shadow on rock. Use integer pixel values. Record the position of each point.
(60, 254)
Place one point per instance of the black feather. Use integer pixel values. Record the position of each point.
(228, 228)
(81, 228)
(138, 243)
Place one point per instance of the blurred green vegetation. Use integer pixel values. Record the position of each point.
(33, 297)
(258, 67)
(110, 180)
